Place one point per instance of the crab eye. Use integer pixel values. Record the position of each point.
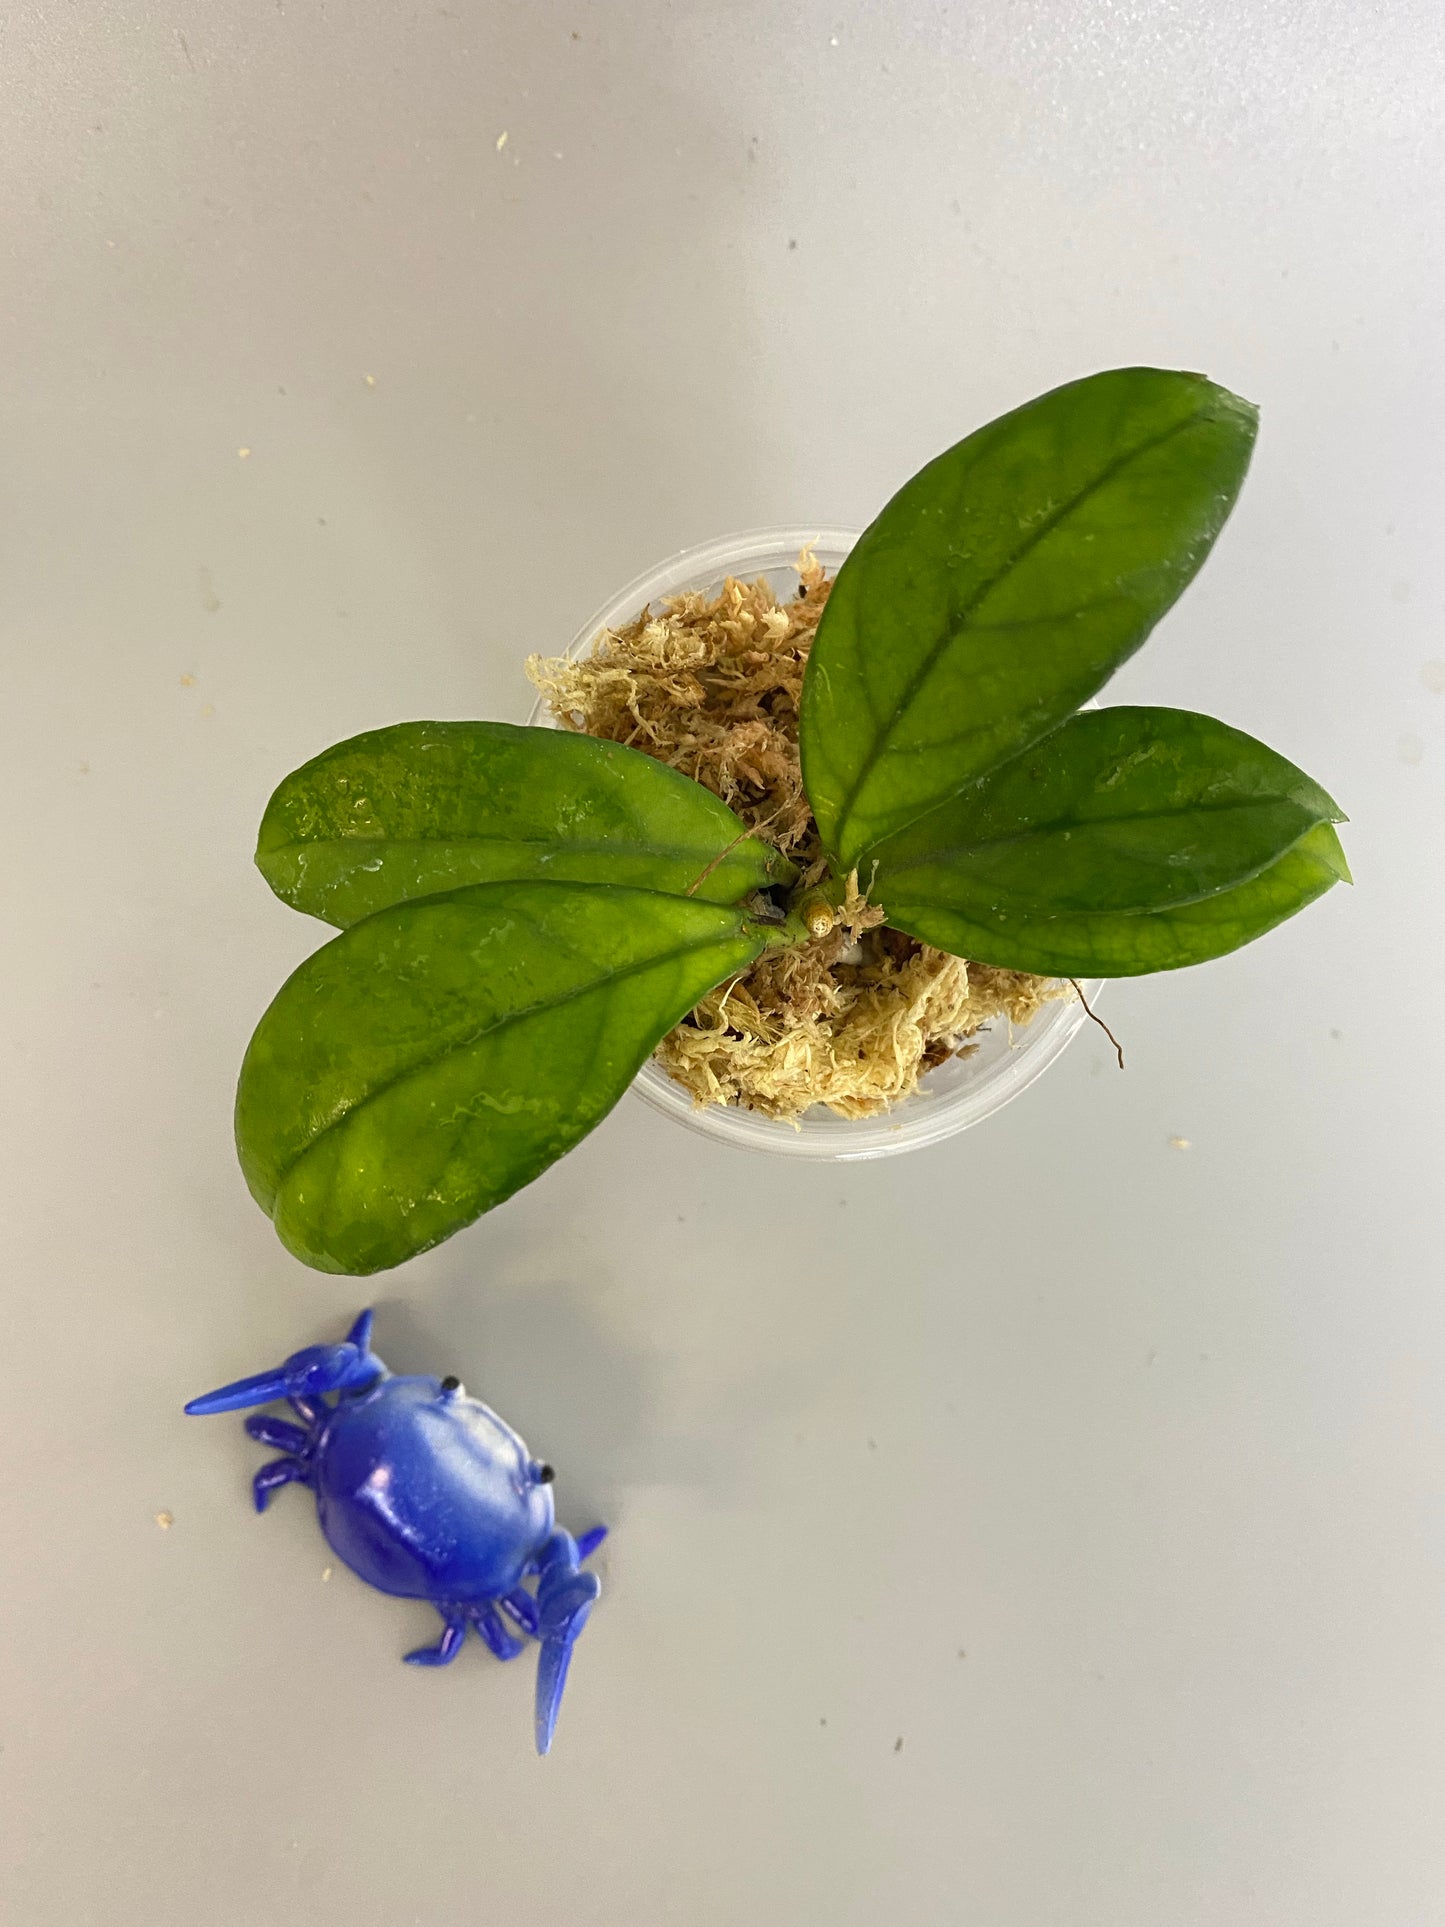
(545, 1474)
(451, 1384)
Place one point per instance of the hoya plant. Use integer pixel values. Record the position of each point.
(525, 913)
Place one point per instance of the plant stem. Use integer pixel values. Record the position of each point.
(786, 935)
(816, 905)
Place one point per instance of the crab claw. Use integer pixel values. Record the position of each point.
(565, 1597)
(305, 1374)
(260, 1390)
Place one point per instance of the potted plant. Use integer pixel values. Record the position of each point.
(810, 1054)
(527, 913)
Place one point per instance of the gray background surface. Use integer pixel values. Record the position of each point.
(1047, 1528)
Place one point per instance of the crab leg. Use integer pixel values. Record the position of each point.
(522, 1607)
(454, 1631)
(278, 1434)
(588, 1542)
(313, 1412)
(488, 1623)
(272, 1477)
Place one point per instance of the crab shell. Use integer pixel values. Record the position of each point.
(427, 1494)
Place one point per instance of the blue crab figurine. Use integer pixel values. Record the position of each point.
(426, 1494)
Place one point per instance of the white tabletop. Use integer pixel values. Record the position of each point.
(1045, 1528)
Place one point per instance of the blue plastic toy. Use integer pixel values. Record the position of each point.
(426, 1494)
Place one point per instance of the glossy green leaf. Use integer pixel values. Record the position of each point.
(421, 808)
(1115, 810)
(425, 1064)
(1003, 585)
(1124, 944)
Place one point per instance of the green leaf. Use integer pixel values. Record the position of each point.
(422, 1066)
(1131, 944)
(1002, 587)
(1122, 809)
(426, 807)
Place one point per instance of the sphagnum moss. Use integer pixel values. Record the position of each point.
(855, 1017)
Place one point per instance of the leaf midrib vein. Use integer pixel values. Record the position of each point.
(340, 839)
(1036, 535)
(1086, 823)
(486, 1030)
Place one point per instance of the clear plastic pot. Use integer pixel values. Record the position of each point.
(961, 1092)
